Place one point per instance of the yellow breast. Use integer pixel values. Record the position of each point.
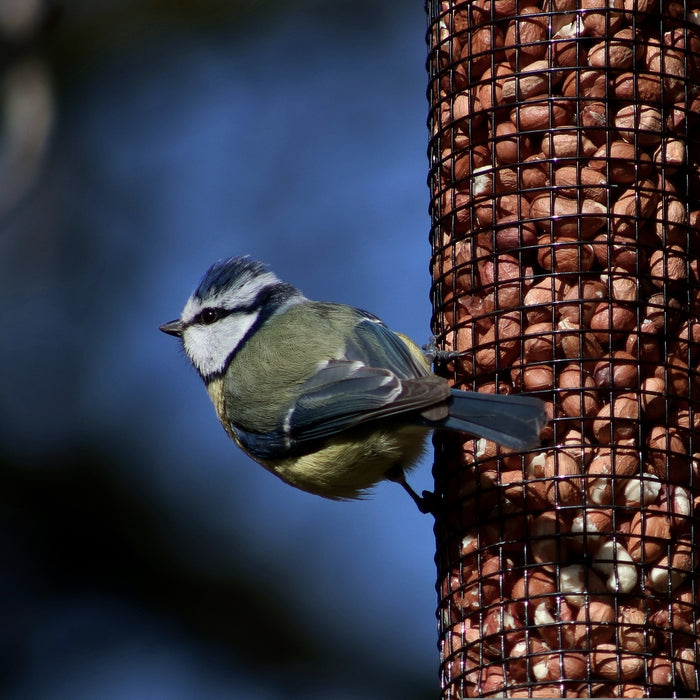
(348, 464)
(351, 463)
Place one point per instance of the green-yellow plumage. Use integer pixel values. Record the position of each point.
(325, 395)
(253, 396)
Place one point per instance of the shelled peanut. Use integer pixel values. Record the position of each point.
(560, 625)
(567, 263)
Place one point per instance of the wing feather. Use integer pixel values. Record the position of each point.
(375, 345)
(375, 377)
(365, 394)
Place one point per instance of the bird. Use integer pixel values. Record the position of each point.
(325, 395)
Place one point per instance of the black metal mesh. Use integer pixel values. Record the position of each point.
(565, 186)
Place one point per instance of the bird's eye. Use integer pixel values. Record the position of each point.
(209, 316)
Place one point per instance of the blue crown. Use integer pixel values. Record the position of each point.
(225, 274)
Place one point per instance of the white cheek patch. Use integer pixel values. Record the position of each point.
(209, 346)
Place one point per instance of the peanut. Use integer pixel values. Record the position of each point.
(567, 255)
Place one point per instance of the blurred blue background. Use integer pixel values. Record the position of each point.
(143, 555)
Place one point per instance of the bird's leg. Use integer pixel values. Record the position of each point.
(426, 503)
(436, 356)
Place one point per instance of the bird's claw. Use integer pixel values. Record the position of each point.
(435, 355)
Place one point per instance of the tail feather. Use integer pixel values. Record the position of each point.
(510, 420)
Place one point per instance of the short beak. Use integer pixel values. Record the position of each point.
(172, 328)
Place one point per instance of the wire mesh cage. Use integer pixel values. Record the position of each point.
(565, 209)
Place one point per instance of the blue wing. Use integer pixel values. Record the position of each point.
(375, 345)
(376, 377)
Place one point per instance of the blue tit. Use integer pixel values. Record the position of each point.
(324, 395)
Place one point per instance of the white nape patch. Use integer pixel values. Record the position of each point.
(245, 293)
(209, 346)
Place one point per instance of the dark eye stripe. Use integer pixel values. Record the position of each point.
(266, 303)
(208, 316)
(212, 314)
